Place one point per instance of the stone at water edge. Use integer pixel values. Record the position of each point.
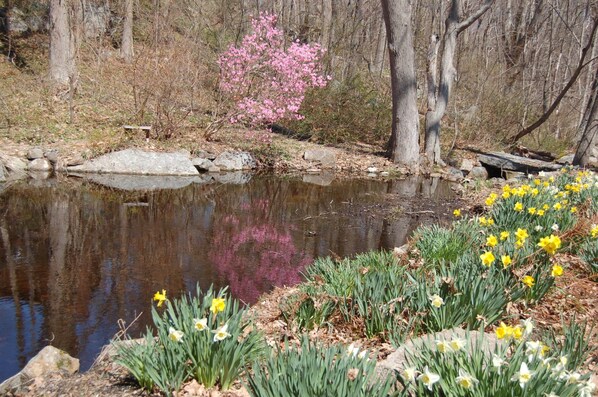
(35, 153)
(13, 164)
(326, 157)
(202, 164)
(51, 156)
(231, 161)
(40, 165)
(48, 360)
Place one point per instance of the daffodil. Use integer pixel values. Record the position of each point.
(160, 297)
(557, 206)
(490, 221)
(175, 335)
(491, 241)
(550, 244)
(436, 300)
(528, 280)
(443, 346)
(200, 324)
(573, 209)
(518, 207)
(587, 389)
(531, 210)
(457, 213)
(521, 234)
(483, 221)
(409, 374)
(428, 378)
(594, 231)
(457, 344)
(555, 227)
(504, 235)
(465, 380)
(221, 333)
(491, 199)
(487, 258)
(528, 326)
(518, 332)
(541, 212)
(506, 261)
(572, 377)
(519, 244)
(533, 349)
(504, 331)
(218, 305)
(498, 362)
(523, 376)
(557, 271)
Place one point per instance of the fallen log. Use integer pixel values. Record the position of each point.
(509, 162)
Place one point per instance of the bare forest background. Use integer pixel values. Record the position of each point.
(154, 62)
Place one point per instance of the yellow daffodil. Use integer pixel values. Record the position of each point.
(535, 192)
(518, 207)
(504, 331)
(506, 195)
(200, 324)
(557, 206)
(550, 244)
(218, 305)
(537, 182)
(160, 297)
(504, 235)
(491, 241)
(483, 221)
(594, 231)
(436, 301)
(506, 261)
(519, 244)
(541, 212)
(487, 258)
(221, 333)
(518, 332)
(528, 280)
(557, 271)
(490, 221)
(491, 199)
(531, 210)
(545, 207)
(573, 209)
(521, 234)
(457, 213)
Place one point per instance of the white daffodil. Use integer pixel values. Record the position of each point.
(571, 377)
(465, 380)
(523, 376)
(409, 374)
(221, 333)
(498, 362)
(555, 227)
(443, 346)
(175, 335)
(561, 366)
(532, 349)
(528, 327)
(352, 350)
(436, 300)
(457, 344)
(428, 378)
(539, 228)
(587, 389)
(200, 324)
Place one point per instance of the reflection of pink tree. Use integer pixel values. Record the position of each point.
(254, 254)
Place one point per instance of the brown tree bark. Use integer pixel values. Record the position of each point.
(127, 39)
(63, 67)
(404, 139)
(588, 128)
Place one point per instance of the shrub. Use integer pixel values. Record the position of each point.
(313, 371)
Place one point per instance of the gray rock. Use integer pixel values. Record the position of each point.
(384, 173)
(13, 164)
(202, 154)
(326, 157)
(140, 182)
(202, 164)
(397, 361)
(322, 179)
(567, 159)
(235, 161)
(51, 156)
(138, 162)
(35, 153)
(75, 160)
(233, 178)
(40, 164)
(372, 170)
(48, 360)
(2, 173)
(478, 173)
(214, 169)
(515, 176)
(466, 165)
(454, 174)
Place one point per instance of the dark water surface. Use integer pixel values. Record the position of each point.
(76, 257)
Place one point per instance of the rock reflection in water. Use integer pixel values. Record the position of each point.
(76, 257)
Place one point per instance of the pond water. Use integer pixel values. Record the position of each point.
(75, 257)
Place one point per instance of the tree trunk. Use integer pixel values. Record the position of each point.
(378, 64)
(127, 39)
(63, 66)
(588, 128)
(404, 139)
(448, 73)
(326, 23)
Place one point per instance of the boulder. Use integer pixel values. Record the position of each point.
(466, 165)
(48, 360)
(51, 156)
(40, 164)
(202, 164)
(13, 164)
(35, 153)
(454, 174)
(202, 154)
(139, 162)
(235, 161)
(326, 157)
(396, 361)
(567, 159)
(478, 173)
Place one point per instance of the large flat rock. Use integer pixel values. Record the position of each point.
(138, 162)
(510, 162)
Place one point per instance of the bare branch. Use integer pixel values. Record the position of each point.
(474, 16)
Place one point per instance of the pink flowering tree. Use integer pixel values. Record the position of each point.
(266, 81)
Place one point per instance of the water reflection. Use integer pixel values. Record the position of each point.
(75, 257)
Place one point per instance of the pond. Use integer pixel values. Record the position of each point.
(76, 257)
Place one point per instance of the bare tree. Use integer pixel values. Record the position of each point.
(438, 97)
(127, 39)
(63, 44)
(588, 127)
(404, 138)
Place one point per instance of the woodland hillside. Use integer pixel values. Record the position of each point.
(155, 62)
